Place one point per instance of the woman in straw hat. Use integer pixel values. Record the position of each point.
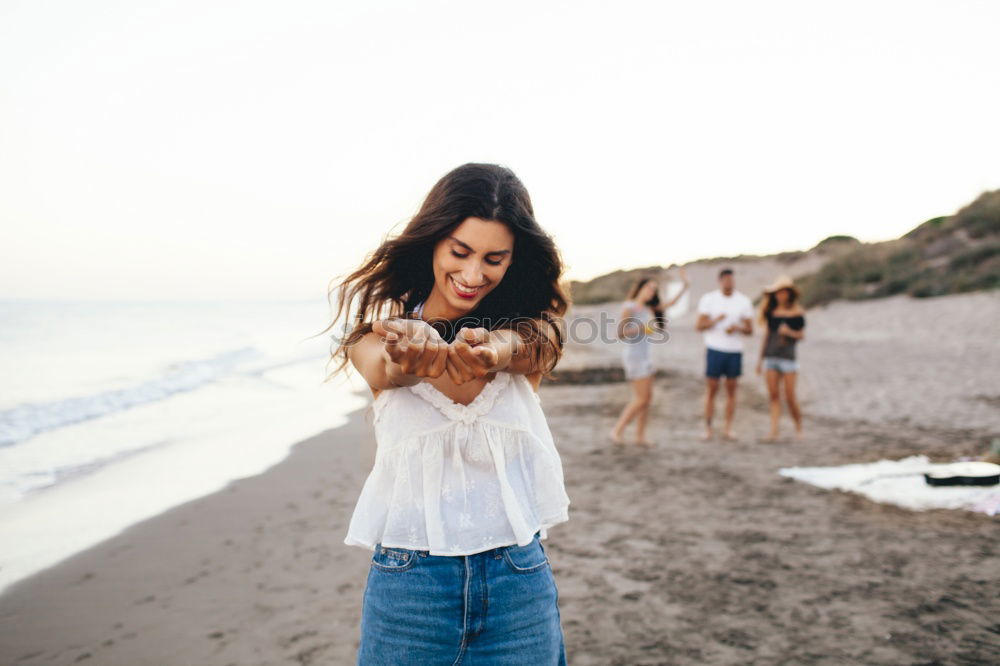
(785, 320)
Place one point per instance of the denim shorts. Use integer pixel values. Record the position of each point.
(782, 365)
(497, 607)
(636, 361)
(718, 363)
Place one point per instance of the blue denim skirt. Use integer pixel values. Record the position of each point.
(497, 607)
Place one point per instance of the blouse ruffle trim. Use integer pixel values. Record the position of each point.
(453, 410)
(481, 405)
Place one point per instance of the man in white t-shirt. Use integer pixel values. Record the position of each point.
(725, 317)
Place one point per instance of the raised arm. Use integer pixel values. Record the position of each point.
(684, 287)
(673, 301)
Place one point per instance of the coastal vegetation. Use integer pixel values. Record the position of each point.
(944, 255)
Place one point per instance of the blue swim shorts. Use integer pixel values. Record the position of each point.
(719, 363)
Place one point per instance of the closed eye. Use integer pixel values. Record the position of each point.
(491, 262)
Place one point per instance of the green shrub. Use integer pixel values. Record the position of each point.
(974, 256)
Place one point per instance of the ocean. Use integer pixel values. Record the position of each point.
(112, 412)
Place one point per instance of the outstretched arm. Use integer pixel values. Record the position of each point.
(477, 352)
(399, 352)
(537, 355)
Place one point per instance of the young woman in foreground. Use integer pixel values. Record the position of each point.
(454, 326)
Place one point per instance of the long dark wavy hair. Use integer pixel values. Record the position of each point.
(659, 319)
(398, 275)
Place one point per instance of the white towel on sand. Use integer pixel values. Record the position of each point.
(899, 482)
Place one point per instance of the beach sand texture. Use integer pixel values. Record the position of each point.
(691, 553)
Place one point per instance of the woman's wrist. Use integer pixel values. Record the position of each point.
(508, 344)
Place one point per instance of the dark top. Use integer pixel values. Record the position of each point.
(782, 346)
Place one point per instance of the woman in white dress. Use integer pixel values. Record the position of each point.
(453, 324)
(642, 316)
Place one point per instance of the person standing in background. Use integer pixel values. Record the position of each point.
(785, 320)
(643, 314)
(725, 317)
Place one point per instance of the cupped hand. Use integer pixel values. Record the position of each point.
(414, 346)
(472, 355)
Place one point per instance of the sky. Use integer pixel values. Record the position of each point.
(257, 150)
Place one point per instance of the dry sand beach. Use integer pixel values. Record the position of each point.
(691, 553)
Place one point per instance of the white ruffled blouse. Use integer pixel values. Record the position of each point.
(458, 479)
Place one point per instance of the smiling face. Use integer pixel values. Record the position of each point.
(468, 264)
